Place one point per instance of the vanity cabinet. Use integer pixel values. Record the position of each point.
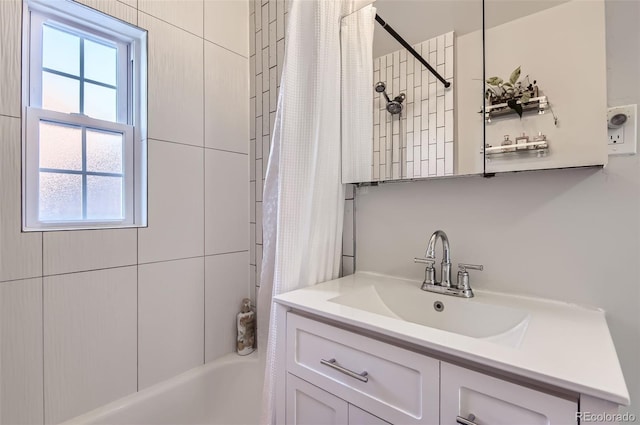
(335, 376)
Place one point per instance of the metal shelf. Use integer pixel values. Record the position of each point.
(539, 104)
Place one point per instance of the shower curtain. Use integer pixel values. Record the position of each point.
(303, 199)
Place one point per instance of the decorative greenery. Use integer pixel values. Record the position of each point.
(511, 91)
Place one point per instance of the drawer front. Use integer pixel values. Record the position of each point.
(494, 401)
(395, 384)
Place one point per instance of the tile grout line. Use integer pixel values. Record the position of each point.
(195, 146)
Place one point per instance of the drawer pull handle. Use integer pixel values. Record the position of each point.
(466, 421)
(363, 376)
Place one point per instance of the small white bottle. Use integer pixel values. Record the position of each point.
(246, 322)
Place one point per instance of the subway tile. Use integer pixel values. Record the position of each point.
(226, 93)
(448, 64)
(448, 39)
(21, 358)
(433, 97)
(273, 91)
(252, 118)
(440, 142)
(185, 14)
(252, 77)
(264, 151)
(176, 204)
(272, 44)
(280, 58)
(425, 87)
(440, 49)
(440, 111)
(266, 96)
(433, 45)
(258, 167)
(265, 25)
(20, 253)
(432, 124)
(433, 57)
(417, 163)
(258, 264)
(10, 57)
(410, 146)
(417, 101)
(258, 12)
(265, 69)
(259, 48)
(424, 118)
(424, 138)
(424, 168)
(252, 7)
(89, 340)
(440, 86)
(410, 170)
(259, 100)
(272, 11)
(83, 250)
(259, 206)
(448, 98)
(440, 167)
(252, 243)
(226, 24)
(226, 284)
(175, 83)
(272, 122)
(448, 158)
(432, 163)
(376, 165)
(170, 319)
(252, 201)
(448, 126)
(280, 19)
(226, 197)
(252, 277)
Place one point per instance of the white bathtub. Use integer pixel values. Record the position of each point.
(224, 392)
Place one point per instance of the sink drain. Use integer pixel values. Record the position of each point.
(438, 305)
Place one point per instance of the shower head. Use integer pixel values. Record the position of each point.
(380, 88)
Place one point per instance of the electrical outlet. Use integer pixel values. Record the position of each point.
(622, 130)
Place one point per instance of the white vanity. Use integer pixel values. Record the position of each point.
(373, 349)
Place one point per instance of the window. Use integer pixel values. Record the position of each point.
(84, 96)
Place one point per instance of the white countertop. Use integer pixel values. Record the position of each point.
(564, 345)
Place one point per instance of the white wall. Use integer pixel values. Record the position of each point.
(87, 317)
(572, 235)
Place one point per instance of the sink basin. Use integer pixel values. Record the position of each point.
(470, 317)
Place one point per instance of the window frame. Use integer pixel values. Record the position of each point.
(131, 87)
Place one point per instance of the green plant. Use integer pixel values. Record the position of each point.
(511, 91)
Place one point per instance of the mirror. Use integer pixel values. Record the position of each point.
(546, 99)
(423, 130)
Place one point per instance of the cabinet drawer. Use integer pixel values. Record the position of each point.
(494, 401)
(400, 386)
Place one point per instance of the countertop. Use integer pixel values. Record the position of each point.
(565, 345)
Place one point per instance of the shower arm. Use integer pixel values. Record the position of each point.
(411, 50)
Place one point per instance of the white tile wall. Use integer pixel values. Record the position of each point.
(20, 253)
(176, 203)
(10, 55)
(226, 202)
(81, 250)
(21, 352)
(225, 287)
(170, 319)
(175, 82)
(227, 112)
(426, 107)
(89, 340)
(76, 347)
(226, 24)
(185, 14)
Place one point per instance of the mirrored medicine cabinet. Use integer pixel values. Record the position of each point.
(532, 97)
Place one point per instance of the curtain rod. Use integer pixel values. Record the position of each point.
(411, 50)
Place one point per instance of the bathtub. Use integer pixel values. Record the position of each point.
(224, 392)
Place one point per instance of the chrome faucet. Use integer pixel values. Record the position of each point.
(462, 287)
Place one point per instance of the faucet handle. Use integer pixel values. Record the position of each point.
(463, 267)
(428, 261)
(463, 275)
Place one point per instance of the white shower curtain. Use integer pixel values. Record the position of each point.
(303, 199)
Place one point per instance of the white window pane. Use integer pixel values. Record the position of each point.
(59, 93)
(60, 146)
(99, 62)
(60, 51)
(60, 197)
(100, 102)
(104, 152)
(104, 198)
